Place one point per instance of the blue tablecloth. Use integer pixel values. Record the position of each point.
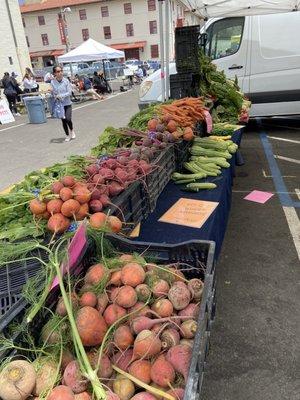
(214, 228)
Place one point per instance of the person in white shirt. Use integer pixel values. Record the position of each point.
(29, 83)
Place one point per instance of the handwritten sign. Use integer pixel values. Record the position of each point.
(5, 114)
(75, 250)
(189, 212)
(258, 196)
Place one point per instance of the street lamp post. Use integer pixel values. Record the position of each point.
(65, 27)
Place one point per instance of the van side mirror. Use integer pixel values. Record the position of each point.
(203, 39)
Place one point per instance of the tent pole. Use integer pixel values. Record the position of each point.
(167, 19)
(162, 50)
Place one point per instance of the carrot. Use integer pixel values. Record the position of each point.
(95, 274)
(132, 274)
(91, 326)
(126, 296)
(123, 337)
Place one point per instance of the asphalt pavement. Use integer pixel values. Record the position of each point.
(255, 340)
(25, 147)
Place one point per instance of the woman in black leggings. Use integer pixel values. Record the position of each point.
(62, 91)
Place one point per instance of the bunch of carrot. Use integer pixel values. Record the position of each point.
(185, 112)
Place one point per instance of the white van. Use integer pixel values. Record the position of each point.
(262, 51)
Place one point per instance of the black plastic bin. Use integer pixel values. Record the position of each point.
(187, 49)
(183, 85)
(155, 182)
(182, 154)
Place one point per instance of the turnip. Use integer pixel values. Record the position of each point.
(179, 295)
(17, 380)
(180, 358)
(163, 307)
(74, 379)
(169, 338)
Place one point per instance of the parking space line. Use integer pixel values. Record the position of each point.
(293, 160)
(284, 139)
(294, 225)
(11, 127)
(281, 189)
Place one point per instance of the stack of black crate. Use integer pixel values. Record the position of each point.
(186, 82)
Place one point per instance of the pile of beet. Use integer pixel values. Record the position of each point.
(137, 322)
(71, 200)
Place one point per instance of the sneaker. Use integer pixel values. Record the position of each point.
(73, 136)
(67, 139)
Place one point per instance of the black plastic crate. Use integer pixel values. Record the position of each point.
(13, 277)
(199, 254)
(184, 85)
(155, 182)
(187, 49)
(131, 205)
(182, 154)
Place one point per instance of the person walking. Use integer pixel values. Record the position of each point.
(10, 87)
(62, 91)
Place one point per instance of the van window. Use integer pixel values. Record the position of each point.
(224, 37)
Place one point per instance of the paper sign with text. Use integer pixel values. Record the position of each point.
(189, 212)
(75, 250)
(5, 114)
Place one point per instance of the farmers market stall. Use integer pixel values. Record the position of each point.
(152, 230)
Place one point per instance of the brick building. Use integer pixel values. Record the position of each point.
(129, 25)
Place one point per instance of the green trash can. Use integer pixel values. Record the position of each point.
(35, 109)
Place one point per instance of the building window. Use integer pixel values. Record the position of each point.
(10, 60)
(23, 21)
(104, 11)
(45, 39)
(127, 8)
(41, 20)
(129, 30)
(151, 5)
(82, 14)
(153, 27)
(107, 32)
(154, 51)
(27, 41)
(85, 34)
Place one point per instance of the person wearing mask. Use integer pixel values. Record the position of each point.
(88, 88)
(62, 91)
(10, 87)
(29, 83)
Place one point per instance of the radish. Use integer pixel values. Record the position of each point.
(180, 358)
(146, 345)
(162, 372)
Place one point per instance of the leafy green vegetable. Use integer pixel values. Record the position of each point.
(109, 140)
(140, 120)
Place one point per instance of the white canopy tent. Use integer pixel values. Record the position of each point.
(90, 50)
(216, 9)
(234, 8)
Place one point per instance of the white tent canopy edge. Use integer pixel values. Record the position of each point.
(235, 8)
(90, 50)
